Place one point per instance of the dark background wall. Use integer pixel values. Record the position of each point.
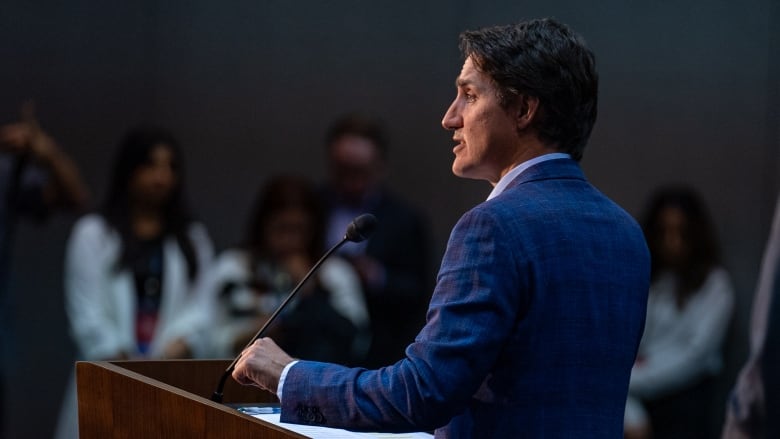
(689, 93)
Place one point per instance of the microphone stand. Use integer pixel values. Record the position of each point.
(217, 395)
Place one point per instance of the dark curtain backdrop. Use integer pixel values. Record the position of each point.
(689, 93)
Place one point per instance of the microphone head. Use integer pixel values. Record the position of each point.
(361, 228)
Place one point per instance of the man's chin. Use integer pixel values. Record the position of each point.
(458, 169)
(463, 172)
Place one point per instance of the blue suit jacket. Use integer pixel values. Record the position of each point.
(532, 329)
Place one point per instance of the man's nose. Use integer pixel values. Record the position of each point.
(451, 120)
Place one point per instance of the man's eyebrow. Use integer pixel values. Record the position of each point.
(462, 82)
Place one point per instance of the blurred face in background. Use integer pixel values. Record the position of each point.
(356, 167)
(673, 241)
(288, 232)
(153, 182)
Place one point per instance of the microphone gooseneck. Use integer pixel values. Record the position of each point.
(358, 230)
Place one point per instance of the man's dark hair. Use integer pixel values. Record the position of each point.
(360, 125)
(544, 59)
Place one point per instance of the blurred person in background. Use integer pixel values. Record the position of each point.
(131, 268)
(689, 309)
(754, 404)
(327, 320)
(37, 177)
(394, 265)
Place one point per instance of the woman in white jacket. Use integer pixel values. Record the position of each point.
(131, 269)
(688, 313)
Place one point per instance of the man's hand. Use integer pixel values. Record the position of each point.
(261, 365)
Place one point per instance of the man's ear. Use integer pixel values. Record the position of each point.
(527, 109)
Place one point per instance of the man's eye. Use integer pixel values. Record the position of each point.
(470, 97)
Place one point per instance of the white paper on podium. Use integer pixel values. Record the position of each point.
(336, 433)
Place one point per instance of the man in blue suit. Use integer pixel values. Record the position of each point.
(540, 301)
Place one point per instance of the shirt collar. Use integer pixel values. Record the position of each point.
(517, 170)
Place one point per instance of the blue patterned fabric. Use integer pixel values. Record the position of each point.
(531, 331)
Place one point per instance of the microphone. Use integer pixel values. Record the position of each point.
(360, 229)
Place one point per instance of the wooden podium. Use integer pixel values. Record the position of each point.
(166, 399)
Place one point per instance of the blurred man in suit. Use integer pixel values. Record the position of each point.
(393, 265)
(539, 305)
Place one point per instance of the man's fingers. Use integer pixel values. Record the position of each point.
(241, 378)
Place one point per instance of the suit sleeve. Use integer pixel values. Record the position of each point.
(472, 310)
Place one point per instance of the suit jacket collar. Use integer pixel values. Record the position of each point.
(551, 169)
